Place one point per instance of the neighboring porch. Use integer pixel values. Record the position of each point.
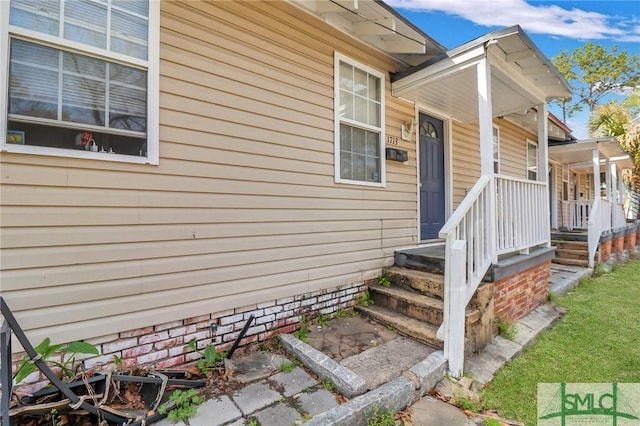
(592, 201)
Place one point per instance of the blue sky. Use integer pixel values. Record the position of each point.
(554, 25)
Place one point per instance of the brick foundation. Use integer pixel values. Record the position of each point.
(162, 346)
(519, 294)
(605, 250)
(617, 245)
(630, 241)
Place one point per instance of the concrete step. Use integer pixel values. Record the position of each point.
(426, 283)
(419, 330)
(570, 245)
(408, 303)
(573, 262)
(572, 254)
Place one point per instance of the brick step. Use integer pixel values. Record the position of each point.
(572, 262)
(426, 283)
(570, 245)
(408, 303)
(421, 331)
(572, 254)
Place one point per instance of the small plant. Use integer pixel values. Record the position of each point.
(382, 418)
(322, 320)
(493, 422)
(56, 419)
(186, 405)
(303, 332)
(384, 280)
(210, 355)
(507, 329)
(253, 422)
(466, 403)
(287, 367)
(554, 298)
(344, 313)
(599, 270)
(46, 351)
(117, 361)
(328, 385)
(365, 299)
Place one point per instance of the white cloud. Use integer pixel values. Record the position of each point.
(550, 20)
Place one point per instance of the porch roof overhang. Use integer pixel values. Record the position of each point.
(521, 77)
(580, 154)
(378, 25)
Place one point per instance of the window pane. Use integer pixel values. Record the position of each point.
(345, 137)
(83, 90)
(346, 77)
(374, 88)
(360, 108)
(346, 104)
(374, 114)
(127, 98)
(42, 16)
(345, 165)
(129, 34)
(86, 22)
(359, 170)
(358, 143)
(33, 80)
(360, 84)
(373, 170)
(134, 6)
(373, 144)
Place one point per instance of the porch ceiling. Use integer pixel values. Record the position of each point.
(580, 154)
(521, 77)
(377, 24)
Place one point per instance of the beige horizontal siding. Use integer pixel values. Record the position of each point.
(243, 207)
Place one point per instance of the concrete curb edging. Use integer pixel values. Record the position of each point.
(396, 394)
(346, 381)
(564, 286)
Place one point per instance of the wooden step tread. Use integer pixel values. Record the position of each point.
(574, 262)
(413, 328)
(409, 296)
(415, 273)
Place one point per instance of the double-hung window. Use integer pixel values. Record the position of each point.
(359, 123)
(82, 78)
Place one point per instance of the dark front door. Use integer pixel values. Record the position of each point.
(432, 211)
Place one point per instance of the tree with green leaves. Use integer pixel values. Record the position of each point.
(595, 72)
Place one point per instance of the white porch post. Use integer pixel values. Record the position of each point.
(485, 127)
(614, 184)
(485, 117)
(609, 181)
(595, 155)
(543, 162)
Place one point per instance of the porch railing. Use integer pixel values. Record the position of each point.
(618, 218)
(577, 216)
(599, 222)
(499, 215)
(521, 213)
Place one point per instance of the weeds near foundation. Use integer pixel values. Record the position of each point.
(493, 422)
(303, 332)
(47, 351)
(344, 313)
(365, 299)
(322, 320)
(384, 280)
(466, 403)
(554, 298)
(382, 418)
(599, 270)
(186, 406)
(210, 355)
(507, 329)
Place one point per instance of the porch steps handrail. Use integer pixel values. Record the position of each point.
(469, 252)
(599, 221)
(618, 217)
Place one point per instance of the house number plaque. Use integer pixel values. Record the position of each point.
(392, 140)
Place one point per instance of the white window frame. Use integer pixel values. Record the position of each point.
(338, 57)
(496, 155)
(152, 66)
(530, 142)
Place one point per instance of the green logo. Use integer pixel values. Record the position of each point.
(565, 404)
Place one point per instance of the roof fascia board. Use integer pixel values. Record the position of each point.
(439, 69)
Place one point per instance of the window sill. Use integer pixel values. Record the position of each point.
(68, 153)
(361, 183)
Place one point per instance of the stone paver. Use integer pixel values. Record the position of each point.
(429, 411)
(254, 397)
(293, 382)
(214, 412)
(317, 402)
(278, 415)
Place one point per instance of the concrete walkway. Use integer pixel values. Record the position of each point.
(409, 371)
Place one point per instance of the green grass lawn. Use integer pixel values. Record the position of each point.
(598, 341)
